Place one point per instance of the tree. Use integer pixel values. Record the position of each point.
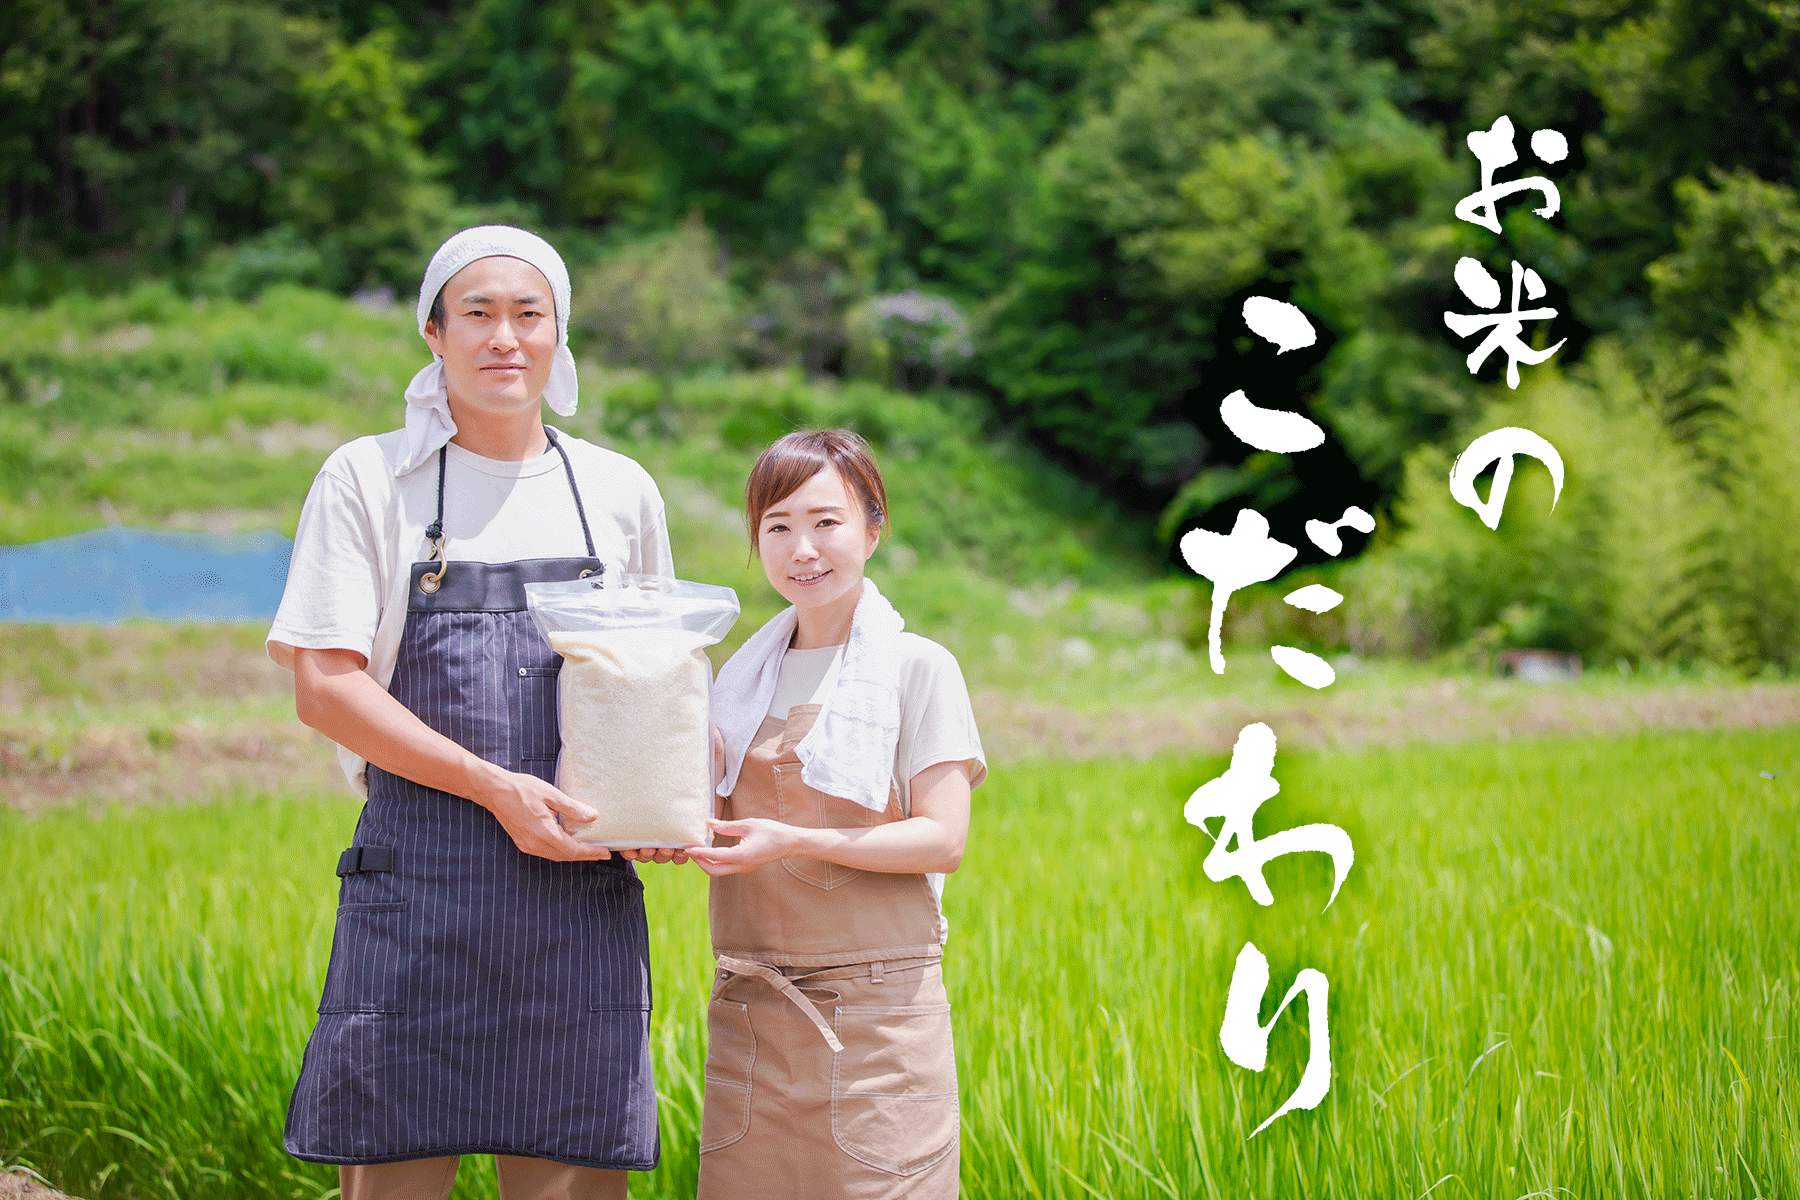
(165, 130)
(1217, 157)
(147, 126)
(1651, 93)
(663, 306)
(356, 127)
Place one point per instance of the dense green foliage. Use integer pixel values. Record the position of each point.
(1534, 988)
(1674, 537)
(1100, 184)
(1095, 187)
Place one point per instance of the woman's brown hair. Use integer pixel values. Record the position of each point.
(797, 457)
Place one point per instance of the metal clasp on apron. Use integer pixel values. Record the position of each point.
(782, 984)
(432, 580)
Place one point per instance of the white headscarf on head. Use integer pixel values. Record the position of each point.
(428, 421)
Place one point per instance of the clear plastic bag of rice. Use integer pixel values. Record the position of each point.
(636, 708)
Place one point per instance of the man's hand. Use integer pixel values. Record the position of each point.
(333, 695)
(661, 854)
(527, 808)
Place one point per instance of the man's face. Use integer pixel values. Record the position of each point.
(499, 336)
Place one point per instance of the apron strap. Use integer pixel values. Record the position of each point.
(573, 490)
(781, 983)
(435, 530)
(434, 533)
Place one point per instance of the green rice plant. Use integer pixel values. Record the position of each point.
(153, 997)
(1559, 968)
(1556, 965)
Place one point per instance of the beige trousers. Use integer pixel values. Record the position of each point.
(520, 1179)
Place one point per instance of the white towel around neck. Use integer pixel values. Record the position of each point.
(849, 752)
(428, 421)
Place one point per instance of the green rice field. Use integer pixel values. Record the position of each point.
(1558, 969)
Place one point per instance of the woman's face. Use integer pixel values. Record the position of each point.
(499, 336)
(814, 543)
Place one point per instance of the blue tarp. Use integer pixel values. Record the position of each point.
(109, 575)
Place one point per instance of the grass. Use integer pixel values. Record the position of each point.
(171, 410)
(1557, 968)
(219, 413)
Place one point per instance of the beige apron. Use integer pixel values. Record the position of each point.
(830, 1070)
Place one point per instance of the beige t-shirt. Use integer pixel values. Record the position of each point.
(937, 723)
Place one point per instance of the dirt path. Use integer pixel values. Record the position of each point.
(132, 764)
(1446, 711)
(194, 760)
(16, 1183)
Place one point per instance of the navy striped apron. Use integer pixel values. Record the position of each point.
(479, 1000)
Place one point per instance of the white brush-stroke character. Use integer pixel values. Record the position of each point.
(1246, 1041)
(1504, 328)
(1235, 796)
(1494, 149)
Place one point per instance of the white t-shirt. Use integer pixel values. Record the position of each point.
(937, 723)
(362, 528)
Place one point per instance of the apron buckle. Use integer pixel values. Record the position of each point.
(362, 860)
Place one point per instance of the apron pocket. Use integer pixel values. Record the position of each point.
(730, 1059)
(617, 938)
(370, 950)
(798, 804)
(537, 724)
(893, 1086)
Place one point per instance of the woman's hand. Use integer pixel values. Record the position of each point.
(930, 840)
(760, 841)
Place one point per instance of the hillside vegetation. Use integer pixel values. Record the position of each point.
(210, 413)
(952, 220)
(161, 410)
(1672, 543)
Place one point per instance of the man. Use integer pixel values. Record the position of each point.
(489, 985)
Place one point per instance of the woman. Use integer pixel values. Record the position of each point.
(849, 751)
